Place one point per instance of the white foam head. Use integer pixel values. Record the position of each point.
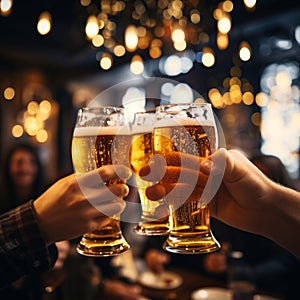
(141, 129)
(178, 121)
(95, 130)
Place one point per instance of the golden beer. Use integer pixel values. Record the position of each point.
(140, 154)
(189, 216)
(93, 147)
(105, 147)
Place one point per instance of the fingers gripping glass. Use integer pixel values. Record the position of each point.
(99, 133)
(183, 131)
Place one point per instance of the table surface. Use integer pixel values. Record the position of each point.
(191, 282)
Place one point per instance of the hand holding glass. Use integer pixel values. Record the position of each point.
(101, 137)
(183, 130)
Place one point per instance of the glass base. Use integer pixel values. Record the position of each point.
(100, 247)
(151, 228)
(189, 243)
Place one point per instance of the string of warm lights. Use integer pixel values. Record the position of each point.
(32, 120)
(44, 23)
(153, 27)
(153, 30)
(157, 26)
(178, 34)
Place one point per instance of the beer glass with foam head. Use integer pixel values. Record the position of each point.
(101, 137)
(181, 132)
(140, 154)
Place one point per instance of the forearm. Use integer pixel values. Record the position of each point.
(282, 221)
(22, 249)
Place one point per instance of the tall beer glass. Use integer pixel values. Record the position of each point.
(187, 130)
(140, 154)
(101, 137)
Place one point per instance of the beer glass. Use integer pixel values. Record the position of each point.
(140, 154)
(101, 137)
(187, 130)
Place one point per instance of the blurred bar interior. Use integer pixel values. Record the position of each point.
(242, 56)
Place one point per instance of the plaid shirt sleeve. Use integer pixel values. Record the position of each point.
(22, 249)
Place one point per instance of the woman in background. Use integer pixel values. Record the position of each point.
(23, 176)
(23, 180)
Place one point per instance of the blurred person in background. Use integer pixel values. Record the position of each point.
(23, 177)
(29, 232)
(23, 180)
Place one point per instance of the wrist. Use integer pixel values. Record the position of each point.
(40, 223)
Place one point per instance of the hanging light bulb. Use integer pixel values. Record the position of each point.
(180, 46)
(250, 3)
(222, 40)
(131, 38)
(92, 27)
(106, 61)
(5, 7)
(208, 57)
(245, 51)
(137, 65)
(44, 23)
(224, 24)
(17, 130)
(119, 50)
(178, 35)
(98, 40)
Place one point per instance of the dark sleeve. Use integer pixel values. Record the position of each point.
(22, 249)
(277, 271)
